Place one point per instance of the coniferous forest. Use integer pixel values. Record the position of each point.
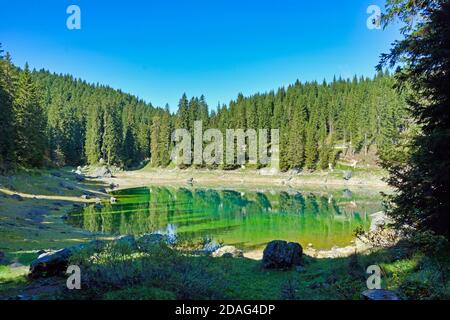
(58, 120)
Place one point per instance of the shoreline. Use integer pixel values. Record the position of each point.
(243, 179)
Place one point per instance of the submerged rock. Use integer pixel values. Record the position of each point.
(379, 295)
(282, 255)
(228, 251)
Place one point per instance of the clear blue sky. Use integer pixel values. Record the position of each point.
(159, 49)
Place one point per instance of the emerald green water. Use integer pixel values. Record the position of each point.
(246, 219)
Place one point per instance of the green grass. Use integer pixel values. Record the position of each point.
(167, 274)
(12, 281)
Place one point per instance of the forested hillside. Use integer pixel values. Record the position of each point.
(56, 120)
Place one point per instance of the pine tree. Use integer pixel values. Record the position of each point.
(29, 122)
(94, 135)
(164, 139)
(156, 160)
(7, 152)
(183, 113)
(112, 135)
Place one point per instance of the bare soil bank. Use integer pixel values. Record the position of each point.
(246, 178)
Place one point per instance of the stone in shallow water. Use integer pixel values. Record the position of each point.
(379, 295)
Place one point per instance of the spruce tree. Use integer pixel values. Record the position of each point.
(29, 122)
(7, 152)
(112, 135)
(94, 135)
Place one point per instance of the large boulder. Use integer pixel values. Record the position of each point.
(379, 295)
(282, 255)
(102, 172)
(228, 251)
(51, 263)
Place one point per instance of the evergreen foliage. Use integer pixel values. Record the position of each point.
(72, 122)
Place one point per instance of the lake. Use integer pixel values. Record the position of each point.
(247, 219)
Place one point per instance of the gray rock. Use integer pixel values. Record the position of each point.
(282, 255)
(147, 242)
(378, 220)
(210, 247)
(17, 197)
(51, 263)
(348, 175)
(228, 251)
(102, 172)
(379, 295)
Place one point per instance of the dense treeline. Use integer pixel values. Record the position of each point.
(316, 121)
(49, 119)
